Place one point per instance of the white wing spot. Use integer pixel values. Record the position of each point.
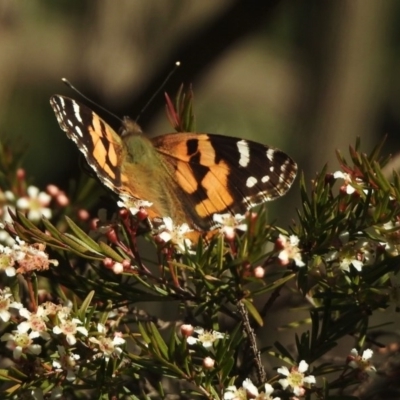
(265, 179)
(77, 111)
(284, 165)
(244, 152)
(251, 181)
(270, 154)
(78, 131)
(271, 168)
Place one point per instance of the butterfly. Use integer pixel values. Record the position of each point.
(188, 177)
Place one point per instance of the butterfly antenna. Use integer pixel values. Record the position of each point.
(177, 65)
(69, 84)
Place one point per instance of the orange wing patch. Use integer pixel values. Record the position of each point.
(184, 176)
(197, 172)
(215, 184)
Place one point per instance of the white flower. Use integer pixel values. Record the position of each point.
(295, 378)
(206, 338)
(229, 223)
(363, 362)
(107, 346)
(36, 203)
(36, 322)
(289, 250)
(175, 234)
(20, 342)
(70, 328)
(233, 393)
(347, 181)
(7, 302)
(133, 205)
(249, 387)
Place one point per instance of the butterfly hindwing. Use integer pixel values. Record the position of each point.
(220, 174)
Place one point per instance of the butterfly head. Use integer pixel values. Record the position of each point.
(129, 127)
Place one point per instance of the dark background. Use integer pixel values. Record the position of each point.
(304, 76)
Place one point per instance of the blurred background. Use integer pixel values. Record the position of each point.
(307, 77)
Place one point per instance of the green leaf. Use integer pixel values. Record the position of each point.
(108, 251)
(51, 228)
(80, 248)
(158, 341)
(7, 375)
(85, 305)
(284, 353)
(82, 235)
(253, 311)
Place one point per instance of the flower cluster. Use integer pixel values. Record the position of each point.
(295, 380)
(23, 258)
(358, 253)
(52, 323)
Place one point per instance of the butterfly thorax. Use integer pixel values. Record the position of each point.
(149, 176)
(140, 150)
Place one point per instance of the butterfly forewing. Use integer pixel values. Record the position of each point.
(104, 150)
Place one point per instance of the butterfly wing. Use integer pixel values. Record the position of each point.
(102, 146)
(187, 176)
(219, 174)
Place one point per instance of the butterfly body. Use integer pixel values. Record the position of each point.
(186, 176)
